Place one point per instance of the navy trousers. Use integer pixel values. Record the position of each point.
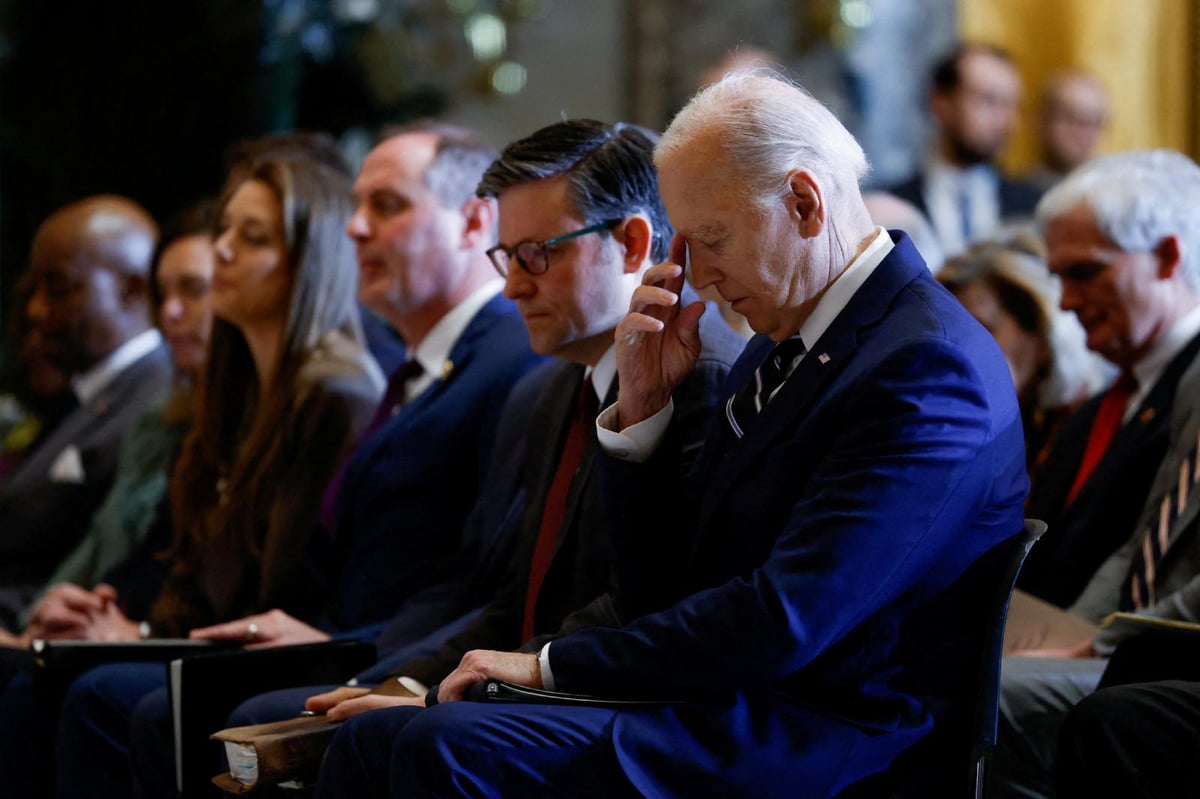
(92, 750)
(475, 749)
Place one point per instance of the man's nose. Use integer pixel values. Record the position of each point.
(356, 225)
(172, 309)
(37, 309)
(517, 282)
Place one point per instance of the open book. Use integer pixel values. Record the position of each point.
(1133, 623)
(280, 751)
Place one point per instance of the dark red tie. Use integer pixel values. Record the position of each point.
(393, 398)
(580, 430)
(1104, 427)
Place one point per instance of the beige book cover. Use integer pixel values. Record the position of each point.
(268, 754)
(1036, 624)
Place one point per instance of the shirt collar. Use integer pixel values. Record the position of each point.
(603, 373)
(88, 385)
(434, 350)
(1164, 349)
(842, 290)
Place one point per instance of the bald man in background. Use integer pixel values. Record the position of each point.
(88, 310)
(1071, 120)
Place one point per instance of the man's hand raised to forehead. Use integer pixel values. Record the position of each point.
(657, 342)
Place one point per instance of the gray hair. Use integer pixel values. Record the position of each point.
(1136, 199)
(769, 127)
(459, 160)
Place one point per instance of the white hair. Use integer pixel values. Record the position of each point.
(769, 127)
(1137, 199)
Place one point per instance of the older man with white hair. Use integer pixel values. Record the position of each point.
(1123, 234)
(786, 594)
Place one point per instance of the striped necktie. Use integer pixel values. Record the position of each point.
(752, 398)
(1140, 589)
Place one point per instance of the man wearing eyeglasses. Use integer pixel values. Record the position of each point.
(819, 631)
(580, 223)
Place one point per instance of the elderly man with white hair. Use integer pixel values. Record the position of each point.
(1123, 234)
(785, 596)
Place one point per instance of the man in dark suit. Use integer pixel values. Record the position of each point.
(973, 100)
(1118, 236)
(1119, 232)
(89, 271)
(794, 585)
(580, 222)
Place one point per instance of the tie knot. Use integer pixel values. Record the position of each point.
(785, 354)
(1125, 383)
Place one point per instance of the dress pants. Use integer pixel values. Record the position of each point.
(92, 750)
(475, 749)
(27, 723)
(1035, 696)
(1132, 741)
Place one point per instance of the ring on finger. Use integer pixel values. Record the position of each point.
(252, 630)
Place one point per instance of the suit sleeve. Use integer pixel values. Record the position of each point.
(910, 464)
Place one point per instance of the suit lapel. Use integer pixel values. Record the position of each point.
(461, 355)
(1132, 435)
(826, 359)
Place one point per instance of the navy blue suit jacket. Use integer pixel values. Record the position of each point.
(407, 489)
(818, 627)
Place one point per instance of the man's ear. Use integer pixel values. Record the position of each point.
(479, 221)
(806, 203)
(1169, 253)
(636, 237)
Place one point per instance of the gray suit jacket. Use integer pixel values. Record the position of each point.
(1177, 579)
(44, 515)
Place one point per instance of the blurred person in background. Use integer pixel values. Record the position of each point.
(88, 318)
(974, 100)
(181, 281)
(1072, 117)
(1006, 286)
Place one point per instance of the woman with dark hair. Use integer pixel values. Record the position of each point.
(286, 390)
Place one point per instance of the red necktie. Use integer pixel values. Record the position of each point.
(1104, 427)
(578, 433)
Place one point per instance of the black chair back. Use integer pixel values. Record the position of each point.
(987, 699)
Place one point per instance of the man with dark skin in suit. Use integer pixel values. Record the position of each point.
(88, 317)
(90, 265)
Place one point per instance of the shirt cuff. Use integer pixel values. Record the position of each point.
(637, 442)
(416, 687)
(544, 665)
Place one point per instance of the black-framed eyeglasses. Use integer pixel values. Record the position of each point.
(534, 256)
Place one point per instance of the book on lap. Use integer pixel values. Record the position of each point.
(274, 753)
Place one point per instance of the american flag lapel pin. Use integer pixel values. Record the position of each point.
(823, 358)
